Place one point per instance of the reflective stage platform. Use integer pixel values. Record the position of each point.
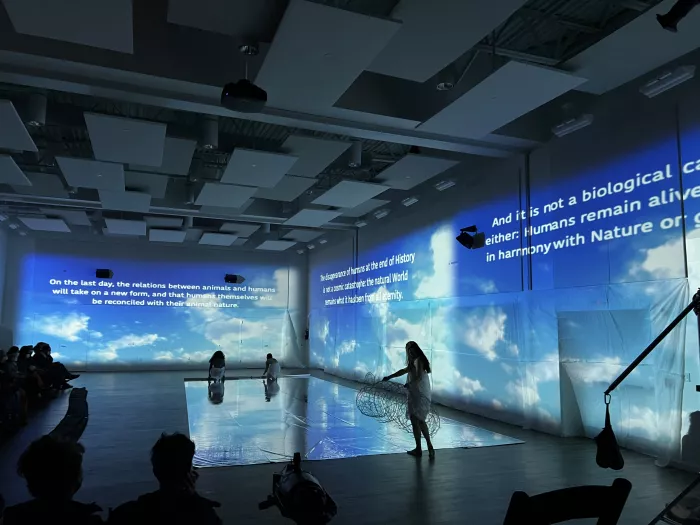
(245, 422)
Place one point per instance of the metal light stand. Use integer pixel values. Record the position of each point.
(694, 306)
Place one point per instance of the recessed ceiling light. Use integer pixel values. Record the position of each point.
(409, 201)
(360, 224)
(380, 214)
(99, 174)
(23, 233)
(13, 226)
(300, 252)
(323, 241)
(443, 185)
(310, 246)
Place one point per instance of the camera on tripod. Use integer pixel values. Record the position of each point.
(299, 496)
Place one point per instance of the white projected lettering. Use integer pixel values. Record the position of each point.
(121, 293)
(371, 281)
(579, 227)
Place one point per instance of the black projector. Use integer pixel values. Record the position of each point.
(243, 96)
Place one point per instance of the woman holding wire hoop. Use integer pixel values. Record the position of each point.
(419, 397)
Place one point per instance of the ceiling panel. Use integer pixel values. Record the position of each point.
(365, 207)
(217, 239)
(261, 169)
(287, 190)
(156, 235)
(634, 50)
(412, 170)
(124, 227)
(11, 174)
(348, 194)
(45, 225)
(275, 246)
(240, 229)
(311, 62)
(224, 195)
(436, 33)
(512, 91)
(125, 140)
(164, 222)
(13, 132)
(312, 218)
(302, 235)
(239, 242)
(314, 154)
(229, 17)
(43, 185)
(105, 25)
(177, 157)
(77, 217)
(193, 234)
(125, 201)
(151, 183)
(85, 173)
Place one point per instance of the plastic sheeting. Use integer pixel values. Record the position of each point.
(540, 359)
(243, 422)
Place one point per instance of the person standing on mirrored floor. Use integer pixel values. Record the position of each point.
(419, 395)
(217, 367)
(272, 368)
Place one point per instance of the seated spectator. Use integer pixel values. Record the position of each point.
(53, 470)
(29, 377)
(13, 399)
(217, 366)
(52, 373)
(176, 502)
(272, 368)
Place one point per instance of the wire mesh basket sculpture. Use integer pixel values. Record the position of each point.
(387, 402)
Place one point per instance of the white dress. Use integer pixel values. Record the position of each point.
(273, 369)
(419, 393)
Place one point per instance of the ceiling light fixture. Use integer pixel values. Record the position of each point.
(445, 86)
(3, 218)
(322, 241)
(572, 125)
(409, 201)
(13, 226)
(667, 80)
(443, 185)
(360, 224)
(23, 233)
(380, 214)
(300, 252)
(310, 246)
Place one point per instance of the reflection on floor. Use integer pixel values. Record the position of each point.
(247, 421)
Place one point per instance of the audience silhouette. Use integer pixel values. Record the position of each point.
(176, 501)
(53, 470)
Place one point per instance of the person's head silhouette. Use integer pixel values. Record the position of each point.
(171, 458)
(53, 468)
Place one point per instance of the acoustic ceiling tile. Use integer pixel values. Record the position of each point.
(314, 154)
(125, 201)
(364, 208)
(125, 227)
(76, 217)
(434, 34)
(316, 54)
(193, 235)
(240, 229)
(125, 140)
(177, 157)
(217, 239)
(43, 185)
(106, 25)
(151, 183)
(287, 190)
(312, 218)
(156, 235)
(224, 195)
(13, 133)
(45, 225)
(164, 222)
(228, 17)
(510, 92)
(10, 172)
(348, 194)
(85, 173)
(412, 170)
(239, 242)
(302, 235)
(275, 246)
(261, 169)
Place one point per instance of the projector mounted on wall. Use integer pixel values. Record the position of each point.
(572, 125)
(667, 81)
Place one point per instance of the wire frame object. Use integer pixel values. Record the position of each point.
(387, 402)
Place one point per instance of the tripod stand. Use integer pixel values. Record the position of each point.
(673, 513)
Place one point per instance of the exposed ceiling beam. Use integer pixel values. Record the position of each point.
(517, 55)
(561, 20)
(125, 86)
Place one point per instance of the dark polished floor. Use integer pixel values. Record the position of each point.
(129, 411)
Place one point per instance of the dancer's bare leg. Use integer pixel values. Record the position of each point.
(415, 424)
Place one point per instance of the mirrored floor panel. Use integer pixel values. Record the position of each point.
(249, 421)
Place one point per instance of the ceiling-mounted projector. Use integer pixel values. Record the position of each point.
(243, 96)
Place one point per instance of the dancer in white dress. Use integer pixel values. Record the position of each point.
(419, 395)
